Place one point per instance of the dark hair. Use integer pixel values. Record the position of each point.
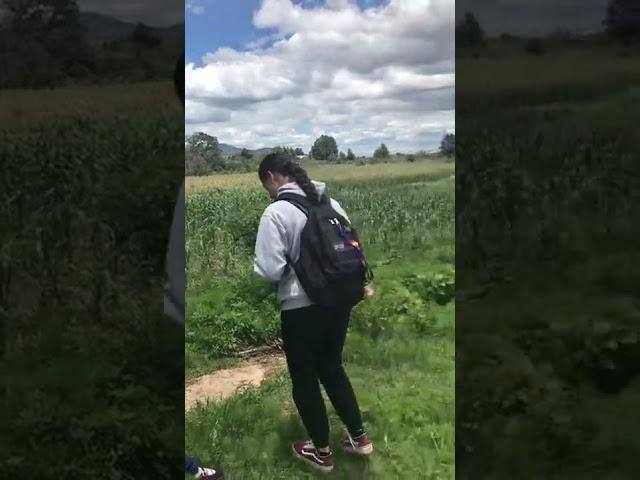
(178, 78)
(286, 165)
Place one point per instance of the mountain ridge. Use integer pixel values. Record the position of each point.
(100, 27)
(228, 150)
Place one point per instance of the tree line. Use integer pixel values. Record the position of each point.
(46, 43)
(203, 153)
(621, 24)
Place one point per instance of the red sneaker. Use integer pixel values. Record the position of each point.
(308, 452)
(361, 445)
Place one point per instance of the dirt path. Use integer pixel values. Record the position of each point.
(229, 381)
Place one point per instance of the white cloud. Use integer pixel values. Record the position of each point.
(366, 76)
(264, 41)
(194, 7)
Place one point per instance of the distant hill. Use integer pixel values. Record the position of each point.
(103, 28)
(229, 150)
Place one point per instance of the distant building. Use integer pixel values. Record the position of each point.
(302, 157)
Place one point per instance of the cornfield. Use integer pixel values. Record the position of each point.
(394, 217)
(82, 199)
(547, 267)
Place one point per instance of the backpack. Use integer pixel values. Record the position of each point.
(332, 268)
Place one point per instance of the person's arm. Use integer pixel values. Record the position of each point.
(270, 260)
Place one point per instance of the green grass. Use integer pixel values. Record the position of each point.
(86, 201)
(536, 355)
(197, 364)
(27, 108)
(405, 386)
(409, 413)
(562, 75)
(547, 183)
(399, 352)
(343, 173)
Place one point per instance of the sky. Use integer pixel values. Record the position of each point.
(261, 73)
(232, 19)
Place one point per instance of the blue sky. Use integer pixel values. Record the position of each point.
(211, 24)
(222, 24)
(321, 67)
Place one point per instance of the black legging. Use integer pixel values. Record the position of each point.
(313, 339)
(190, 465)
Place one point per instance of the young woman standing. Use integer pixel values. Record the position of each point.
(313, 335)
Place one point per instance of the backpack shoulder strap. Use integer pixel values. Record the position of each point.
(298, 201)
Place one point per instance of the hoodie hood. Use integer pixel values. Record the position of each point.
(292, 187)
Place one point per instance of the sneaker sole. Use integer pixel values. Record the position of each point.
(313, 464)
(364, 451)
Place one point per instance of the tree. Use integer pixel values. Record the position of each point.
(246, 153)
(324, 148)
(299, 151)
(284, 150)
(203, 143)
(343, 157)
(350, 156)
(50, 39)
(39, 16)
(202, 154)
(448, 145)
(145, 36)
(381, 152)
(411, 158)
(469, 32)
(622, 21)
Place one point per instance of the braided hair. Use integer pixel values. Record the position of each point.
(286, 165)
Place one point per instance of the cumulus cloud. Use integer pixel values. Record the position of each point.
(383, 73)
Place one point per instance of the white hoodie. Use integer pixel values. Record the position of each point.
(174, 286)
(278, 236)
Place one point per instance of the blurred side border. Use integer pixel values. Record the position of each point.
(91, 162)
(547, 253)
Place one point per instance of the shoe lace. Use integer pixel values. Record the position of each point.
(354, 443)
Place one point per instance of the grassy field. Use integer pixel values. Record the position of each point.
(400, 350)
(547, 262)
(561, 75)
(90, 178)
(327, 173)
(24, 108)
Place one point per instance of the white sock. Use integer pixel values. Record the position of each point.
(205, 471)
